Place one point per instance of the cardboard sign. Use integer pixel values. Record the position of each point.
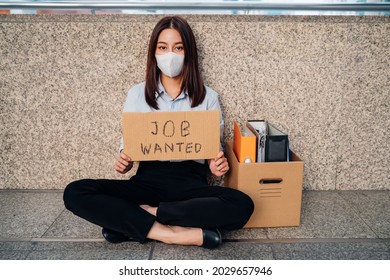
(171, 135)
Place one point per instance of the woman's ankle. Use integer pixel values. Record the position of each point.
(176, 234)
(150, 209)
(187, 236)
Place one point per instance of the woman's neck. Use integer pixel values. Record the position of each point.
(172, 85)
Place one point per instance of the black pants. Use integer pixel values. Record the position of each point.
(178, 189)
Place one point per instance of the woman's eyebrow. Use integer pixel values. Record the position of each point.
(176, 43)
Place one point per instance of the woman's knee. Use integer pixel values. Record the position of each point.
(72, 192)
(247, 206)
(243, 209)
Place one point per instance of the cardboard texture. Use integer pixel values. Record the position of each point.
(244, 144)
(183, 135)
(275, 188)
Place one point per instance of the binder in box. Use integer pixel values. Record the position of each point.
(276, 145)
(272, 144)
(259, 128)
(244, 144)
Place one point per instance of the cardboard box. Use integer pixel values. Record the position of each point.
(275, 188)
(183, 135)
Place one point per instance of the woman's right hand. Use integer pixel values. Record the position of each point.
(123, 163)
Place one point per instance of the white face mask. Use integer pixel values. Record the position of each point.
(170, 63)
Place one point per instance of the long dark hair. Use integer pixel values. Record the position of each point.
(192, 81)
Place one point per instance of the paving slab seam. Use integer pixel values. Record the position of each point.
(273, 251)
(312, 240)
(53, 223)
(260, 240)
(150, 257)
(266, 233)
(31, 190)
(357, 213)
(10, 239)
(68, 240)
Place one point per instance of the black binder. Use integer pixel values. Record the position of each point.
(276, 145)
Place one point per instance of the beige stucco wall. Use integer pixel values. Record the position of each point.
(323, 80)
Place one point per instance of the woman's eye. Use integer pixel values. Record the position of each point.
(179, 48)
(161, 48)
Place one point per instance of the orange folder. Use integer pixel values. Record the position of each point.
(244, 144)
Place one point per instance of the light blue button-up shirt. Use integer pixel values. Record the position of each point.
(135, 102)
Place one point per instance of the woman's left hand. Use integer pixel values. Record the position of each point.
(219, 165)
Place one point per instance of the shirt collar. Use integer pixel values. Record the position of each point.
(162, 91)
(161, 88)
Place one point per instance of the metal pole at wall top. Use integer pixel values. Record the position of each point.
(194, 5)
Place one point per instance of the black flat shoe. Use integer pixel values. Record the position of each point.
(211, 238)
(115, 237)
